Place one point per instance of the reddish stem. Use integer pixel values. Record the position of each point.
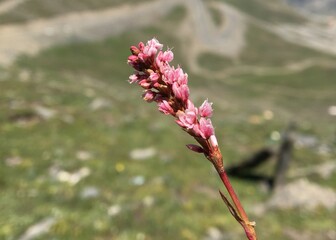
(248, 227)
(233, 194)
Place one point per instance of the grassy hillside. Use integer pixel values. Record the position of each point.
(270, 11)
(70, 110)
(33, 9)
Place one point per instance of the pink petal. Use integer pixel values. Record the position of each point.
(145, 84)
(213, 140)
(154, 76)
(196, 130)
(155, 43)
(152, 47)
(141, 46)
(148, 95)
(181, 78)
(177, 90)
(168, 56)
(133, 78)
(206, 128)
(205, 110)
(181, 91)
(165, 108)
(186, 119)
(184, 92)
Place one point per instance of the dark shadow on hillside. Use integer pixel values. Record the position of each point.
(283, 155)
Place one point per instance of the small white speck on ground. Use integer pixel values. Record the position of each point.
(142, 153)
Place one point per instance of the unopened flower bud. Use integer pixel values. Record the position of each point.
(213, 141)
(195, 148)
(134, 50)
(148, 96)
(141, 46)
(145, 84)
(132, 58)
(133, 78)
(165, 108)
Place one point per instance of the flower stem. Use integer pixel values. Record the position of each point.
(242, 217)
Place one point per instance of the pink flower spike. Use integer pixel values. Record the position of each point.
(206, 128)
(167, 86)
(165, 108)
(195, 148)
(205, 110)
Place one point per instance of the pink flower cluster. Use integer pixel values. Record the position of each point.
(168, 87)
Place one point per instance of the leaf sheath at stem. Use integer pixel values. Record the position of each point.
(237, 210)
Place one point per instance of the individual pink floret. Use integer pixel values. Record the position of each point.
(205, 110)
(149, 95)
(206, 128)
(165, 108)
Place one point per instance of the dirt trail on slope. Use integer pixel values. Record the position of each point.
(31, 37)
(9, 5)
(203, 35)
(198, 32)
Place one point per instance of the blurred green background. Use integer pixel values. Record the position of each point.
(83, 157)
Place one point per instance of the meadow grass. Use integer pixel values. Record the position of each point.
(263, 49)
(69, 79)
(274, 11)
(34, 9)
